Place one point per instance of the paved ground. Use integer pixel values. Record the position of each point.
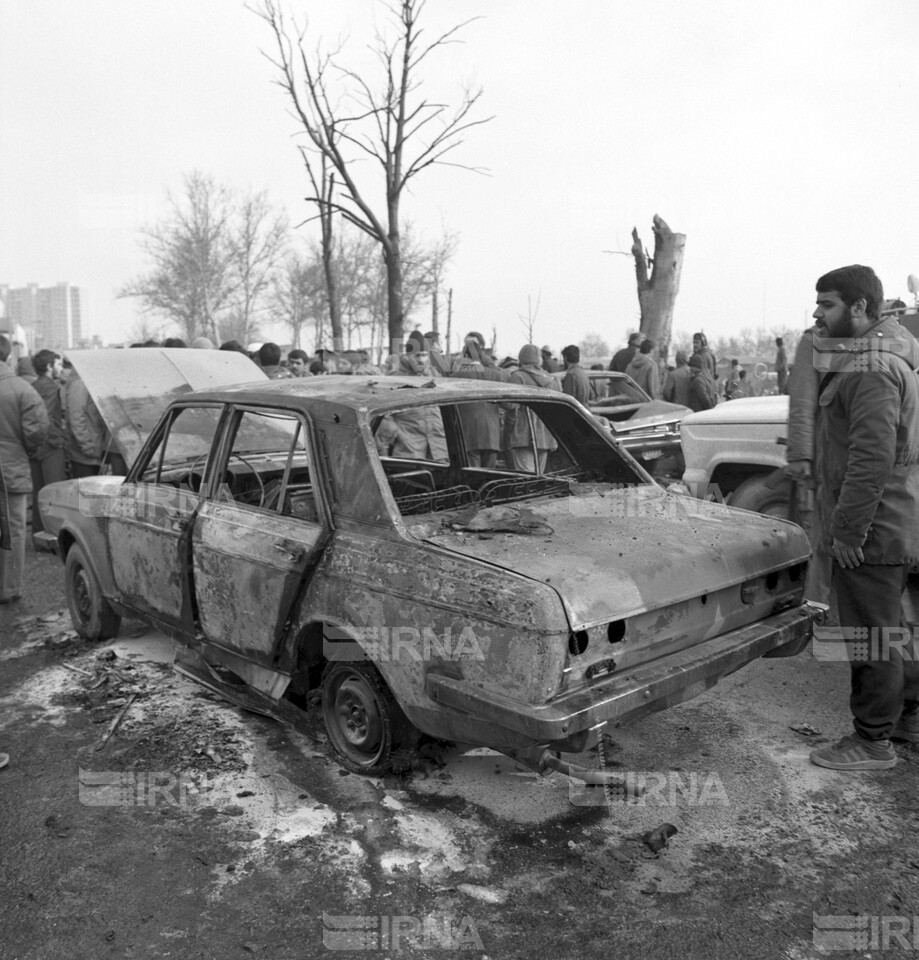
(197, 831)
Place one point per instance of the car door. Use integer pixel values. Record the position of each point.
(259, 534)
(150, 521)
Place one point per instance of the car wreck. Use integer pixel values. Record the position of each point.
(334, 539)
(649, 429)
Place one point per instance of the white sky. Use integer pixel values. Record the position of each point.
(777, 135)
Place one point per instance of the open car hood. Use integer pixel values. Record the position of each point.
(655, 413)
(132, 388)
(615, 553)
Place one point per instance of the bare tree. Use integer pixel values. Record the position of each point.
(529, 321)
(347, 119)
(192, 278)
(258, 236)
(299, 297)
(594, 346)
(657, 293)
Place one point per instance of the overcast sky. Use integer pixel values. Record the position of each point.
(780, 137)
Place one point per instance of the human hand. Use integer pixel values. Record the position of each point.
(848, 557)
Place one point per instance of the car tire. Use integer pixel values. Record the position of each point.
(92, 617)
(769, 494)
(364, 723)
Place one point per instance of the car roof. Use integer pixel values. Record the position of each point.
(374, 393)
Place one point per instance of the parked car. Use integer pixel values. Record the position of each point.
(648, 429)
(735, 453)
(332, 538)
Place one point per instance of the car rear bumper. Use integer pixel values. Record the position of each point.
(642, 690)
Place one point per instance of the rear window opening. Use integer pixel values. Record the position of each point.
(443, 457)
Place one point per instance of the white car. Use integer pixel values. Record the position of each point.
(735, 453)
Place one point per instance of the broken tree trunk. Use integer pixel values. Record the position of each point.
(657, 294)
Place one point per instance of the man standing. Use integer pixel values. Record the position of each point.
(297, 361)
(676, 387)
(23, 429)
(622, 358)
(520, 438)
(269, 359)
(481, 422)
(575, 382)
(868, 486)
(549, 363)
(643, 370)
(87, 436)
(781, 365)
(48, 463)
(703, 392)
(733, 378)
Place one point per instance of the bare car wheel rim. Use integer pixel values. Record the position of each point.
(82, 595)
(358, 720)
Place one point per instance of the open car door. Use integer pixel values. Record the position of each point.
(259, 535)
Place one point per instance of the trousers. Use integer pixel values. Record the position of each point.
(885, 670)
(12, 562)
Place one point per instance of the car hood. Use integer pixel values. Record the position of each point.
(644, 415)
(612, 553)
(772, 409)
(132, 388)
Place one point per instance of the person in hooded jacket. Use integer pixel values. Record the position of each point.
(643, 369)
(520, 438)
(676, 386)
(867, 466)
(703, 391)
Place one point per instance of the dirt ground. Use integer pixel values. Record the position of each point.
(197, 831)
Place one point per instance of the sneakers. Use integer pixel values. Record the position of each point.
(856, 753)
(907, 728)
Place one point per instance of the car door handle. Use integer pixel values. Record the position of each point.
(294, 556)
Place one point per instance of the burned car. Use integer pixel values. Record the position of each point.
(334, 540)
(648, 429)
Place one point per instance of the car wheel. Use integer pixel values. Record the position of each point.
(769, 495)
(93, 618)
(364, 723)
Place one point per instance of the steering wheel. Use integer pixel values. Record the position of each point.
(258, 479)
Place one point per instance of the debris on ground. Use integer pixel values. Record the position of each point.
(655, 840)
(805, 729)
(485, 894)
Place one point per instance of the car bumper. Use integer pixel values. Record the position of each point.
(642, 690)
(46, 542)
(649, 446)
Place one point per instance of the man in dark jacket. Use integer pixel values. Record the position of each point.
(23, 429)
(622, 358)
(644, 371)
(703, 391)
(48, 463)
(676, 386)
(867, 454)
(481, 422)
(575, 383)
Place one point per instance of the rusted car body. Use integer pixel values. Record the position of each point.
(334, 534)
(648, 429)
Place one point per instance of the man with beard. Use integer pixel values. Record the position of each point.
(868, 485)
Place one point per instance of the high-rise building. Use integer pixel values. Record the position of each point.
(51, 316)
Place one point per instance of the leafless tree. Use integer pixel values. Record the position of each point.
(347, 119)
(299, 297)
(594, 347)
(258, 236)
(192, 278)
(529, 321)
